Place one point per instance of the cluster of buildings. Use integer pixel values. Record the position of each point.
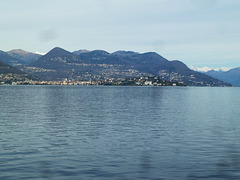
(30, 82)
(140, 81)
(143, 81)
(171, 76)
(11, 77)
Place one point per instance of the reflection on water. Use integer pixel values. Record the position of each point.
(227, 167)
(55, 132)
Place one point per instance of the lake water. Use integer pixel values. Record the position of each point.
(79, 132)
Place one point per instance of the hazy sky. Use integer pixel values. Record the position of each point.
(197, 32)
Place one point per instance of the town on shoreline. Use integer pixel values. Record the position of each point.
(137, 81)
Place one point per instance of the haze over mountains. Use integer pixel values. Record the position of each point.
(230, 75)
(206, 69)
(59, 64)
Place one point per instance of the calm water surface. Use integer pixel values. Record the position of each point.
(75, 132)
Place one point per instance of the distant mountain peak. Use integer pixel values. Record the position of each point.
(2, 52)
(96, 53)
(18, 51)
(153, 55)
(124, 53)
(101, 52)
(232, 76)
(11, 60)
(56, 58)
(81, 51)
(150, 56)
(59, 64)
(57, 51)
(23, 55)
(207, 69)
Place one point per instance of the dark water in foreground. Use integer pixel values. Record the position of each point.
(74, 132)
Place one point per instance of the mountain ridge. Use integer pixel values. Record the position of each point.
(99, 64)
(27, 57)
(232, 76)
(60, 64)
(55, 59)
(7, 59)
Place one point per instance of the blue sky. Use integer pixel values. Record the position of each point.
(197, 32)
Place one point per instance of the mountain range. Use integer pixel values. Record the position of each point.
(7, 59)
(59, 64)
(206, 68)
(26, 57)
(98, 64)
(232, 76)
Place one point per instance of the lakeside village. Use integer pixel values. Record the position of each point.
(13, 79)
